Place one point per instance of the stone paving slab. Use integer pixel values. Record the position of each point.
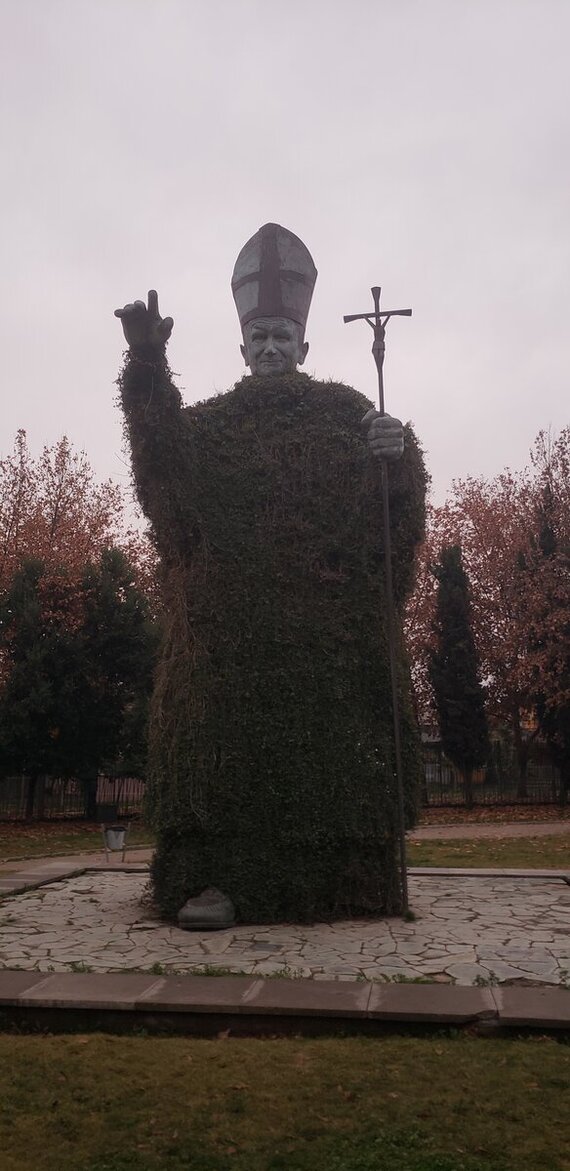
(467, 930)
(309, 998)
(14, 985)
(199, 994)
(533, 1007)
(431, 1004)
(298, 1001)
(90, 991)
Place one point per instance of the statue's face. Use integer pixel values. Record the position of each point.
(273, 345)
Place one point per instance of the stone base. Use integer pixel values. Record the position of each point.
(210, 911)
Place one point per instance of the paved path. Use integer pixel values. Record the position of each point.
(511, 829)
(70, 943)
(480, 929)
(25, 872)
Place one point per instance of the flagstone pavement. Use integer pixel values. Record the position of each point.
(480, 929)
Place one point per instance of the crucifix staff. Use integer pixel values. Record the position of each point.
(378, 319)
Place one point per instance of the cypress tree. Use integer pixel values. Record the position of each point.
(552, 646)
(454, 672)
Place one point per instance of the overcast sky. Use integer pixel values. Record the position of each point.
(422, 145)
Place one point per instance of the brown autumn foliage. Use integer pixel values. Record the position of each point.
(52, 509)
(514, 532)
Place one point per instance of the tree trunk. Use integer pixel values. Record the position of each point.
(41, 797)
(31, 797)
(521, 748)
(556, 784)
(522, 787)
(564, 784)
(424, 794)
(90, 797)
(468, 787)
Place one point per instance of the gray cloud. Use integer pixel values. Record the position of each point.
(422, 146)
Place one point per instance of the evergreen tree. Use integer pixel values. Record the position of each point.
(77, 666)
(454, 671)
(39, 666)
(550, 642)
(119, 642)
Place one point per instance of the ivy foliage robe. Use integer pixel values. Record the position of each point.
(271, 746)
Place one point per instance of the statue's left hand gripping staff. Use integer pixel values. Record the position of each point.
(159, 430)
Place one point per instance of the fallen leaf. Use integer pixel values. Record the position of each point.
(347, 1094)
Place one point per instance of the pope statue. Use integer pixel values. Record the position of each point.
(271, 765)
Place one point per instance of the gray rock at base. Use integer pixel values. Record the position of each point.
(210, 911)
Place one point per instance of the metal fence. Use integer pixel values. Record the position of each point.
(57, 799)
(444, 785)
(127, 793)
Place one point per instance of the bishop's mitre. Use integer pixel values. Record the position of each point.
(274, 276)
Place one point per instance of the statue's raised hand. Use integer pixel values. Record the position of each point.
(144, 327)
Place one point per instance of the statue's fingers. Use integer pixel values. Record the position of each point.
(153, 303)
(369, 416)
(386, 440)
(394, 437)
(165, 328)
(139, 307)
(384, 426)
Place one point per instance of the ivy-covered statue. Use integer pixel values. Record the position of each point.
(271, 779)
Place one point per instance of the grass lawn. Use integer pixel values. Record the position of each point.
(103, 1103)
(44, 839)
(548, 853)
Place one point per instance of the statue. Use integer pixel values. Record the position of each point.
(270, 745)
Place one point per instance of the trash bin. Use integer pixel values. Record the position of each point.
(114, 839)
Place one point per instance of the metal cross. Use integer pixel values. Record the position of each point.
(377, 320)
